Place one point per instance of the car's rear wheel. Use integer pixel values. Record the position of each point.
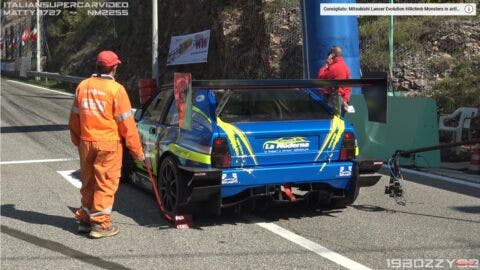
(351, 193)
(168, 182)
(317, 199)
(349, 199)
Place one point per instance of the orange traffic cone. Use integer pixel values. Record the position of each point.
(475, 160)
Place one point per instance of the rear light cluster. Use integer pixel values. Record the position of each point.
(220, 157)
(347, 152)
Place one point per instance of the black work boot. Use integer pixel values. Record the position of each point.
(98, 232)
(84, 227)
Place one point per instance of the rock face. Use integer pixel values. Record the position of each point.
(453, 40)
(262, 39)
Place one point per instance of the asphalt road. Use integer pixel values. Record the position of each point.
(440, 221)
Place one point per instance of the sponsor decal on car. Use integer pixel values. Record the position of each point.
(200, 98)
(345, 172)
(228, 178)
(288, 144)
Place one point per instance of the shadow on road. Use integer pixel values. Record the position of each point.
(273, 213)
(141, 206)
(37, 128)
(374, 208)
(64, 223)
(60, 248)
(435, 183)
(468, 209)
(45, 97)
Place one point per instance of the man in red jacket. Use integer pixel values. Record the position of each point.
(336, 69)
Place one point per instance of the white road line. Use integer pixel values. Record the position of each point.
(36, 161)
(42, 88)
(312, 246)
(442, 178)
(71, 178)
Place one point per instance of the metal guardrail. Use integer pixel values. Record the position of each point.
(55, 76)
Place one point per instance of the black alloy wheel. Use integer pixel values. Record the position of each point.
(168, 184)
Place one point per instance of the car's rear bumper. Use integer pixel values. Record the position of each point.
(336, 174)
(208, 184)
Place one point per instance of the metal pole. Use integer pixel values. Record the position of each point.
(407, 153)
(39, 41)
(390, 45)
(155, 40)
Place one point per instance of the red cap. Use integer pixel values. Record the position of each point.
(107, 59)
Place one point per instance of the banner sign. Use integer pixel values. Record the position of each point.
(182, 87)
(189, 49)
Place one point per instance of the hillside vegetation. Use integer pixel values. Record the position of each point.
(434, 56)
(437, 57)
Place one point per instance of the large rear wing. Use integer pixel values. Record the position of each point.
(285, 84)
(374, 89)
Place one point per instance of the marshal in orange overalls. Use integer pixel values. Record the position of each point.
(100, 119)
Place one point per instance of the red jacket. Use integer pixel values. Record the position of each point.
(338, 70)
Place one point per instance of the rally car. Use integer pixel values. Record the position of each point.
(249, 141)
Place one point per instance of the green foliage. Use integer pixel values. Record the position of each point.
(74, 36)
(51, 84)
(409, 36)
(374, 43)
(440, 64)
(462, 88)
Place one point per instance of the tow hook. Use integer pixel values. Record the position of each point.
(288, 192)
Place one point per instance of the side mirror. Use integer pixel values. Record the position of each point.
(137, 114)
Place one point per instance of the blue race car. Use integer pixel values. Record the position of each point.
(263, 140)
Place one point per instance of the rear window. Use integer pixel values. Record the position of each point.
(270, 105)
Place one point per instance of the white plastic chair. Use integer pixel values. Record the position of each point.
(465, 115)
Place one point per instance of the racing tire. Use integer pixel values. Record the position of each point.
(169, 180)
(127, 167)
(351, 193)
(317, 200)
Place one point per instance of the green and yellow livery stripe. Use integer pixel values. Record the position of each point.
(197, 110)
(189, 154)
(323, 166)
(233, 133)
(337, 127)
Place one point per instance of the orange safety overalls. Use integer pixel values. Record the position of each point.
(100, 118)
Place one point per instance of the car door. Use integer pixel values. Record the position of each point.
(150, 128)
(187, 145)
